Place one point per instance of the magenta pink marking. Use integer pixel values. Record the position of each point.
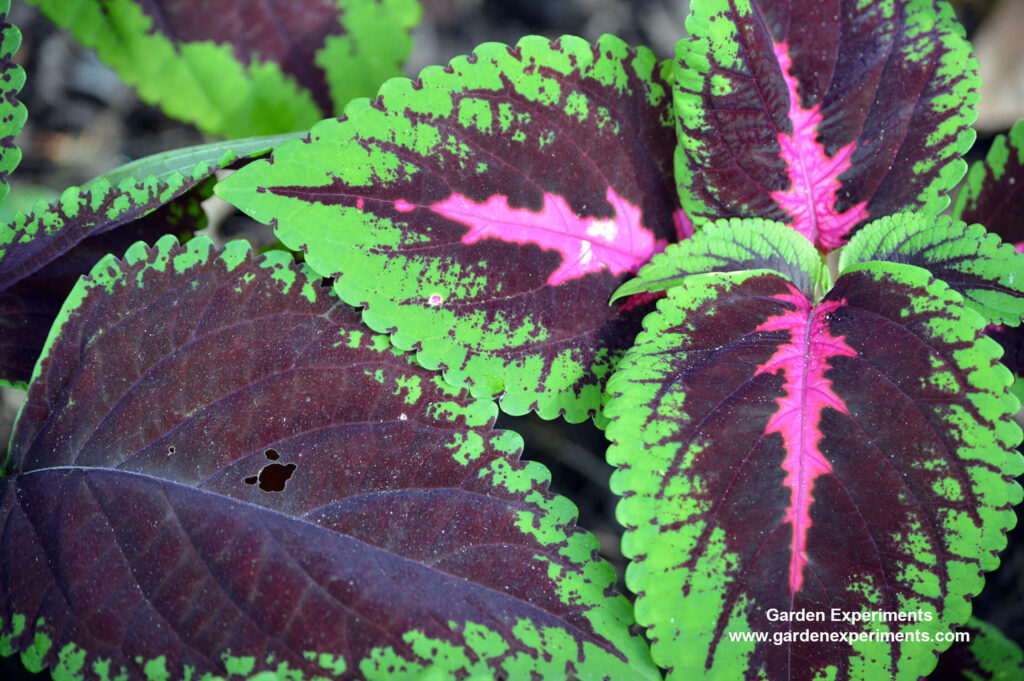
(803, 361)
(359, 203)
(638, 299)
(1020, 247)
(814, 177)
(621, 243)
(684, 225)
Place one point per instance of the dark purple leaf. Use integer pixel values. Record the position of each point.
(785, 457)
(993, 193)
(986, 655)
(822, 114)
(43, 253)
(217, 463)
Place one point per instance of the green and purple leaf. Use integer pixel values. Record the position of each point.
(485, 213)
(12, 112)
(43, 253)
(993, 193)
(822, 115)
(733, 245)
(778, 455)
(987, 656)
(988, 273)
(219, 470)
(240, 67)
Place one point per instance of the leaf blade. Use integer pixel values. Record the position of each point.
(12, 112)
(476, 208)
(992, 193)
(242, 69)
(726, 533)
(975, 263)
(323, 496)
(788, 112)
(43, 252)
(732, 245)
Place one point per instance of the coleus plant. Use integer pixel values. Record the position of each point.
(239, 68)
(235, 465)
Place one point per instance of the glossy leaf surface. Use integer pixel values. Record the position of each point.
(975, 263)
(219, 469)
(43, 253)
(485, 213)
(245, 67)
(778, 455)
(987, 656)
(821, 114)
(12, 112)
(730, 246)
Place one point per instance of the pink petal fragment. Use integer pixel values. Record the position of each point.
(803, 361)
(814, 176)
(621, 243)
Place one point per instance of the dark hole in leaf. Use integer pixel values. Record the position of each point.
(170, 450)
(251, 480)
(274, 476)
(272, 454)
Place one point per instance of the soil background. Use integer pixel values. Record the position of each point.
(83, 122)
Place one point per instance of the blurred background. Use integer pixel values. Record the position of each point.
(84, 122)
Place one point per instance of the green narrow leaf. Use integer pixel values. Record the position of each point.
(988, 273)
(731, 245)
(191, 160)
(239, 68)
(12, 112)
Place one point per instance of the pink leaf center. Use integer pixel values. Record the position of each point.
(814, 176)
(803, 362)
(620, 243)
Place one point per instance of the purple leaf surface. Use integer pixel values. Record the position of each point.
(245, 67)
(781, 456)
(217, 463)
(485, 213)
(821, 114)
(987, 655)
(43, 253)
(993, 193)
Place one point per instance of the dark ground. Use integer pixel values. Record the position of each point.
(84, 121)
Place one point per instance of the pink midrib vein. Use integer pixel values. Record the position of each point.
(620, 243)
(803, 361)
(814, 176)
